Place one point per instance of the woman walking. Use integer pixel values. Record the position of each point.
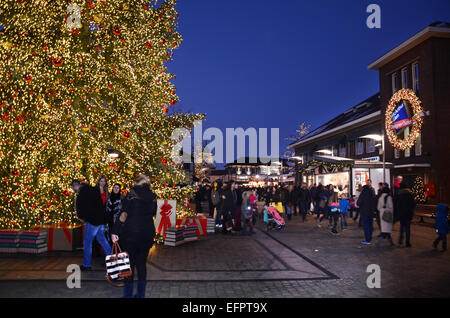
(385, 206)
(136, 230)
(113, 207)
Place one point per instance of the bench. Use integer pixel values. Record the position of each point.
(425, 210)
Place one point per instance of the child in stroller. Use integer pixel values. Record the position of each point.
(273, 219)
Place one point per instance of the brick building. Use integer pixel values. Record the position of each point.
(422, 63)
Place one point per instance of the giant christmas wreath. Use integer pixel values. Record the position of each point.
(411, 97)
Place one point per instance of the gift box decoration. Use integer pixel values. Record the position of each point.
(63, 237)
(199, 221)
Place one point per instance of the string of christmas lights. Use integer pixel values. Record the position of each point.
(417, 121)
(76, 78)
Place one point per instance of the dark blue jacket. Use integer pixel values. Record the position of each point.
(441, 219)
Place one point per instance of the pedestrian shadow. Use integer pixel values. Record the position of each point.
(435, 253)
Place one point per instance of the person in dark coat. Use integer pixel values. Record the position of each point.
(313, 193)
(367, 207)
(207, 198)
(324, 206)
(316, 198)
(114, 207)
(275, 195)
(91, 209)
(379, 193)
(288, 202)
(198, 199)
(295, 199)
(136, 231)
(441, 226)
(227, 207)
(304, 201)
(404, 205)
(237, 201)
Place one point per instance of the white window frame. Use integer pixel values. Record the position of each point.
(359, 141)
(404, 80)
(394, 82)
(396, 153)
(415, 78)
(418, 146)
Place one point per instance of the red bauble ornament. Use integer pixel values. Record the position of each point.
(165, 110)
(116, 30)
(148, 44)
(28, 78)
(126, 135)
(19, 119)
(57, 61)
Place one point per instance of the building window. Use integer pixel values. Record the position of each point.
(407, 151)
(405, 78)
(396, 153)
(418, 145)
(415, 76)
(394, 83)
(370, 145)
(335, 151)
(359, 147)
(342, 151)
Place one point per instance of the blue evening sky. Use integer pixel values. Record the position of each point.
(260, 63)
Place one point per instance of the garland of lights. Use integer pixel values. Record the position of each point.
(329, 165)
(74, 84)
(411, 97)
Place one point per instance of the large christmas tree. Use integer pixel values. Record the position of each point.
(78, 78)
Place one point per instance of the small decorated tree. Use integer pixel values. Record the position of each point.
(419, 190)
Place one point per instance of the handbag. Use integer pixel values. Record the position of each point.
(311, 207)
(388, 216)
(118, 267)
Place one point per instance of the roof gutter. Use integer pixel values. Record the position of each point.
(329, 132)
(413, 41)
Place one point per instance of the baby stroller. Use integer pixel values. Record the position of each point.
(273, 219)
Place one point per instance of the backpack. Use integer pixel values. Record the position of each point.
(388, 215)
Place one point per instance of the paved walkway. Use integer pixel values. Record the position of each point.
(303, 261)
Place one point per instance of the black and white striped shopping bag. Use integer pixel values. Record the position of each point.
(118, 267)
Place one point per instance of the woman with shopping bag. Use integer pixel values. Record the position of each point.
(136, 230)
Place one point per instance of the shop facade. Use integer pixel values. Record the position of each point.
(420, 65)
(339, 152)
(347, 175)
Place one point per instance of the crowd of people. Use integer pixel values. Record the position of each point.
(109, 216)
(231, 206)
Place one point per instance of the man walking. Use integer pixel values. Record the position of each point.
(91, 211)
(367, 207)
(305, 201)
(404, 205)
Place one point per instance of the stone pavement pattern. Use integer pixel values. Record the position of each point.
(305, 261)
